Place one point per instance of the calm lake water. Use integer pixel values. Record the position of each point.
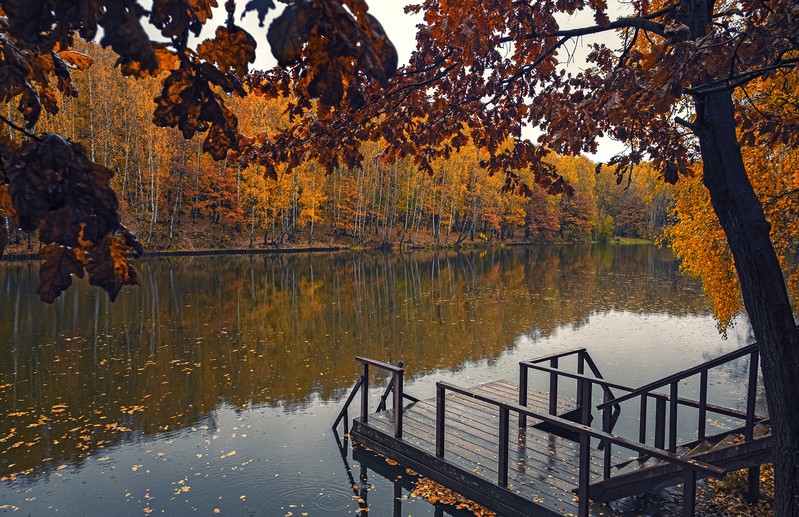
(211, 388)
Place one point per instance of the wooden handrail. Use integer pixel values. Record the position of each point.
(641, 448)
(558, 355)
(379, 364)
(397, 374)
(578, 376)
(602, 382)
(676, 377)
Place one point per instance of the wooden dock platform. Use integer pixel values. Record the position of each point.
(542, 467)
(524, 451)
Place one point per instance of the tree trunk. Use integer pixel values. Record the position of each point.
(762, 285)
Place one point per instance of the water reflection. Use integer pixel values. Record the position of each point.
(280, 332)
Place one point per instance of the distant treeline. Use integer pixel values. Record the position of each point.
(174, 196)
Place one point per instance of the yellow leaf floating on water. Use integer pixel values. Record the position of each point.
(391, 462)
(231, 453)
(59, 408)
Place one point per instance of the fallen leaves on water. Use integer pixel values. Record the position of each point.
(435, 493)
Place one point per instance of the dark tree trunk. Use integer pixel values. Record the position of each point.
(762, 285)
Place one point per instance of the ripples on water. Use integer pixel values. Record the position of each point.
(213, 385)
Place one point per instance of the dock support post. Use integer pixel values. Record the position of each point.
(397, 499)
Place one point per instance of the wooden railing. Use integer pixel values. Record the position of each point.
(583, 359)
(395, 386)
(674, 401)
(583, 429)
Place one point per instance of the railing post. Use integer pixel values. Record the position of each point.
(397, 381)
(702, 429)
(660, 422)
(688, 493)
(607, 445)
(502, 467)
(584, 473)
(522, 393)
(642, 419)
(553, 387)
(382, 405)
(673, 417)
(753, 474)
(585, 414)
(580, 371)
(440, 409)
(365, 393)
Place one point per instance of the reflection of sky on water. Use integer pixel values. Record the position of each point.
(241, 365)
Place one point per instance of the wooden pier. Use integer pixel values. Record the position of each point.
(521, 451)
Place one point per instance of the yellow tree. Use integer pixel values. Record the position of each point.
(773, 169)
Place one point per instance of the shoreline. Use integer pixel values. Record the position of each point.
(28, 256)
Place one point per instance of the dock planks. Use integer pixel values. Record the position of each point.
(543, 467)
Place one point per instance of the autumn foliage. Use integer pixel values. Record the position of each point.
(50, 184)
(482, 73)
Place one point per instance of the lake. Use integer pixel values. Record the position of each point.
(212, 387)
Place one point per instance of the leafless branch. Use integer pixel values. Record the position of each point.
(19, 128)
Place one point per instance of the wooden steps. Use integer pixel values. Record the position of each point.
(726, 450)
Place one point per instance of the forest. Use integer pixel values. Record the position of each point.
(340, 143)
(175, 197)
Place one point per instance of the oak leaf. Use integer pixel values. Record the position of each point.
(55, 273)
(231, 49)
(109, 267)
(290, 31)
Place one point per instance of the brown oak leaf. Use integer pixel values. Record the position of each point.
(55, 273)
